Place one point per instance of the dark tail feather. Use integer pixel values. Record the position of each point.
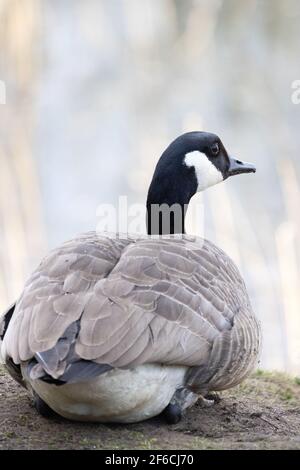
(5, 319)
(13, 369)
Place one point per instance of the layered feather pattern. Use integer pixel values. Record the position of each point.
(120, 303)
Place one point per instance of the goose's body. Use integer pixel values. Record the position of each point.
(111, 328)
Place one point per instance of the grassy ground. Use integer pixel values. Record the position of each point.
(262, 413)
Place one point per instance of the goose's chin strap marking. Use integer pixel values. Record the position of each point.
(206, 172)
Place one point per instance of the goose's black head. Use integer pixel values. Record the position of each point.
(192, 162)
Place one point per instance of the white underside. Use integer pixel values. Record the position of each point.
(123, 396)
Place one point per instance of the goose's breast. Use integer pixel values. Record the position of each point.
(119, 395)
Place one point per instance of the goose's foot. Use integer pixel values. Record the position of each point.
(204, 402)
(214, 396)
(172, 413)
(182, 399)
(42, 407)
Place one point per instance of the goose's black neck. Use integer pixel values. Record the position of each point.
(167, 217)
(180, 173)
(170, 191)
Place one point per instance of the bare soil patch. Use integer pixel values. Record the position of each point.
(262, 413)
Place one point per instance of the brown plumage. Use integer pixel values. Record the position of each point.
(171, 301)
(130, 325)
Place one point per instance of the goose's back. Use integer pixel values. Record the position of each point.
(121, 302)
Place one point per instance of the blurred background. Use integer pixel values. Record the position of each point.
(96, 89)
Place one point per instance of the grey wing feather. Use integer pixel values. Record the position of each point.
(133, 301)
(61, 362)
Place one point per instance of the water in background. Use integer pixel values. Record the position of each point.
(96, 90)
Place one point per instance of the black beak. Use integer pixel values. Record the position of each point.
(237, 167)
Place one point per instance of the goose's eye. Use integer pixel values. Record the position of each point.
(215, 149)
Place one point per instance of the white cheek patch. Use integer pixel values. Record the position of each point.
(206, 172)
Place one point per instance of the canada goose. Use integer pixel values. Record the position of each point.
(119, 329)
